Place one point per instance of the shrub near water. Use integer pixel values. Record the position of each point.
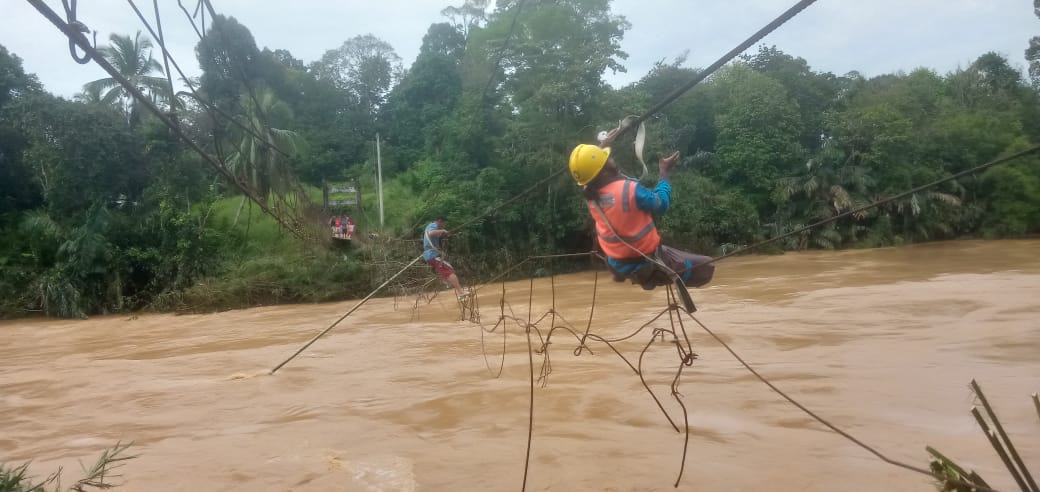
(266, 266)
(272, 279)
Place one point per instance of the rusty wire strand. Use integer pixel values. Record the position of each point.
(166, 58)
(483, 349)
(191, 18)
(530, 323)
(530, 412)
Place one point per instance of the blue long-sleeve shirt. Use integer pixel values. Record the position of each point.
(431, 244)
(656, 201)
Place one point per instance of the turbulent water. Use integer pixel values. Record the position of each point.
(881, 342)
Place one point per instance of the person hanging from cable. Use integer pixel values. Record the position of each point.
(622, 209)
(432, 254)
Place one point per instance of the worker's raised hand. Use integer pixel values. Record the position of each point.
(668, 164)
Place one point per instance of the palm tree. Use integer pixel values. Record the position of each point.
(927, 214)
(133, 59)
(831, 185)
(255, 159)
(94, 94)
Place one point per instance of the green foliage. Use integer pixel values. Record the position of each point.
(706, 216)
(1013, 208)
(228, 58)
(555, 60)
(364, 68)
(427, 93)
(261, 156)
(14, 82)
(813, 92)
(273, 279)
(78, 154)
(758, 133)
(17, 190)
(263, 266)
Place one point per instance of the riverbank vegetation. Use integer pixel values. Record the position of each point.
(104, 210)
(99, 476)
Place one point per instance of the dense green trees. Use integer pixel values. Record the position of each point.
(107, 211)
(363, 68)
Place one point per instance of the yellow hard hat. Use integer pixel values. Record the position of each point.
(587, 161)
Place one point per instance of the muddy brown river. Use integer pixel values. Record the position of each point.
(882, 342)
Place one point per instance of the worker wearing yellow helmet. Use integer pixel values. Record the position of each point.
(623, 211)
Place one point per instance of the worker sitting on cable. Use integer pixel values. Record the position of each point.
(625, 228)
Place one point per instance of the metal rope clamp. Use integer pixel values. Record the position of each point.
(638, 144)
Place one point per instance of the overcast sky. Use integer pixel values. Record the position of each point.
(871, 36)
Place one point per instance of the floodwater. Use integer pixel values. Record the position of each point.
(881, 342)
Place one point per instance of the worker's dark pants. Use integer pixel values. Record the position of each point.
(694, 270)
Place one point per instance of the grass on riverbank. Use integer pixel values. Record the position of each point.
(264, 265)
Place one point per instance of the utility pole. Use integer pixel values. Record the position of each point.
(379, 180)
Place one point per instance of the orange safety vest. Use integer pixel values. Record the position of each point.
(636, 227)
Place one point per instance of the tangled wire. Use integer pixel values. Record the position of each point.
(539, 332)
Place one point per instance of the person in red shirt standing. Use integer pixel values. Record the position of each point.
(337, 227)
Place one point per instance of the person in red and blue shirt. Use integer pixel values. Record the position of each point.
(623, 211)
(432, 254)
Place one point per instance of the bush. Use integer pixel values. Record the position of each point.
(272, 279)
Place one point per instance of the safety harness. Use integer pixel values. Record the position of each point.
(655, 262)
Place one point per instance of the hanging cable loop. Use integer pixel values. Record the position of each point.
(70, 17)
